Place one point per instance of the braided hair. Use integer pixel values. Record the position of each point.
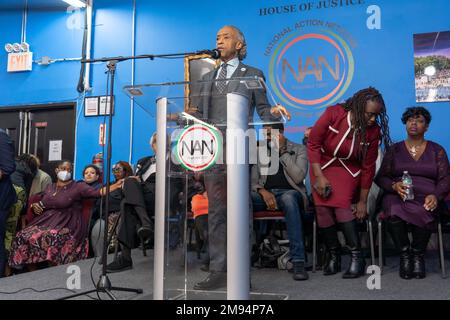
(357, 105)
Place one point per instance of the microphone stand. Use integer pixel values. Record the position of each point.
(104, 284)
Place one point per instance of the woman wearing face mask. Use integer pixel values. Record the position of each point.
(57, 235)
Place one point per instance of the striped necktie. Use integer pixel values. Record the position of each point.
(221, 85)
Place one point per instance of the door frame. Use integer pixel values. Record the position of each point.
(70, 105)
(41, 106)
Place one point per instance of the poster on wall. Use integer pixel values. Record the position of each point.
(432, 66)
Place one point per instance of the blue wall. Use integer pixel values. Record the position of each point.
(383, 58)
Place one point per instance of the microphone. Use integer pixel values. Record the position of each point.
(215, 54)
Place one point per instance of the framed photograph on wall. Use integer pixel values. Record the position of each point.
(195, 67)
(432, 66)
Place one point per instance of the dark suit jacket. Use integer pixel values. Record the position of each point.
(7, 166)
(257, 97)
(174, 183)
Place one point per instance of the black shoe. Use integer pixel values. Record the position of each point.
(214, 280)
(299, 271)
(120, 264)
(144, 233)
(205, 267)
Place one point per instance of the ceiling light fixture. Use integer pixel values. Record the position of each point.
(76, 3)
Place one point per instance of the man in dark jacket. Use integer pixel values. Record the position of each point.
(212, 108)
(7, 193)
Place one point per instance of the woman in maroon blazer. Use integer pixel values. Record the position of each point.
(342, 150)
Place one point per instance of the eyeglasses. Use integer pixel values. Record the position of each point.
(117, 169)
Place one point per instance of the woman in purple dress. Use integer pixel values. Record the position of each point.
(58, 235)
(427, 164)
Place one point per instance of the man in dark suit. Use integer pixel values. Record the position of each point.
(7, 193)
(212, 108)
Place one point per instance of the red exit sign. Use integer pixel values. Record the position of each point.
(21, 61)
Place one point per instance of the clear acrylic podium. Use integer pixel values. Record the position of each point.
(202, 132)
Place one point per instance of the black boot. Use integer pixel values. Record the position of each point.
(399, 234)
(357, 265)
(419, 245)
(332, 264)
(145, 229)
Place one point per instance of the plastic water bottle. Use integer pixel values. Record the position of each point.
(407, 181)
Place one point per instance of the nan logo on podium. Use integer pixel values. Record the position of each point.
(198, 147)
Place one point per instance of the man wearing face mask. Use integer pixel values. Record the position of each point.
(56, 234)
(284, 191)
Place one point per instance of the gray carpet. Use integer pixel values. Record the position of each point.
(266, 283)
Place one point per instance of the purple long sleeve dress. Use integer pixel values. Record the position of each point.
(58, 235)
(430, 175)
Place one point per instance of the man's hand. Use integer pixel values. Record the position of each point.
(280, 110)
(269, 199)
(431, 203)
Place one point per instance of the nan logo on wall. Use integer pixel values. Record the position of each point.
(311, 64)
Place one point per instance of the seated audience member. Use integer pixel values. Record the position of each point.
(199, 207)
(22, 179)
(11, 222)
(427, 164)
(26, 169)
(41, 179)
(7, 194)
(121, 170)
(91, 174)
(285, 191)
(57, 235)
(138, 207)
